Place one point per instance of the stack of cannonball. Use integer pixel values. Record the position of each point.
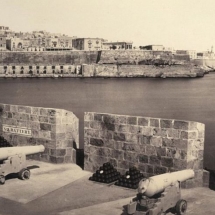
(131, 178)
(105, 174)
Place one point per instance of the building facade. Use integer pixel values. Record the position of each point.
(191, 53)
(4, 30)
(153, 47)
(117, 45)
(87, 44)
(2, 42)
(17, 44)
(205, 55)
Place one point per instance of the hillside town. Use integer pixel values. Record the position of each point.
(38, 41)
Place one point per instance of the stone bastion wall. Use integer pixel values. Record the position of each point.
(205, 62)
(56, 129)
(100, 70)
(105, 63)
(146, 57)
(78, 57)
(47, 58)
(153, 145)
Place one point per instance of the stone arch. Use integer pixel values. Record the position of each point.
(19, 45)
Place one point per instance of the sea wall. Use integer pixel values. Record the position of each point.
(153, 145)
(109, 70)
(101, 70)
(56, 129)
(42, 70)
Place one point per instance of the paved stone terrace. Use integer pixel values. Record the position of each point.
(64, 189)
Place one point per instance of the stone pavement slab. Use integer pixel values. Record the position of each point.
(45, 178)
(64, 189)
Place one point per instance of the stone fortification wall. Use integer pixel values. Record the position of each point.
(89, 57)
(97, 70)
(154, 145)
(205, 62)
(42, 70)
(141, 57)
(106, 63)
(48, 58)
(56, 129)
(101, 70)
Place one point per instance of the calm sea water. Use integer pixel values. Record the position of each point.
(188, 99)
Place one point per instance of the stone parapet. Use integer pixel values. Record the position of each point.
(153, 145)
(56, 129)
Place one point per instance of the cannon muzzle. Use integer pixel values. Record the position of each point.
(27, 150)
(158, 183)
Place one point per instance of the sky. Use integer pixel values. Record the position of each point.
(181, 24)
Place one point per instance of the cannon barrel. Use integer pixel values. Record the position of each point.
(158, 183)
(27, 150)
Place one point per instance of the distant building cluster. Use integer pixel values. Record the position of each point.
(46, 41)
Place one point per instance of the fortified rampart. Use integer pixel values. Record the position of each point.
(141, 57)
(106, 63)
(89, 57)
(210, 63)
(153, 145)
(101, 70)
(47, 58)
(56, 129)
(42, 70)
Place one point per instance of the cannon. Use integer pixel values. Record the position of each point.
(160, 194)
(13, 160)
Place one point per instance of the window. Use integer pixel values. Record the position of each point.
(30, 67)
(61, 67)
(38, 67)
(53, 67)
(13, 67)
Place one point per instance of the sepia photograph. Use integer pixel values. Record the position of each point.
(107, 107)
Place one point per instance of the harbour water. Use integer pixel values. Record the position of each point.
(187, 99)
